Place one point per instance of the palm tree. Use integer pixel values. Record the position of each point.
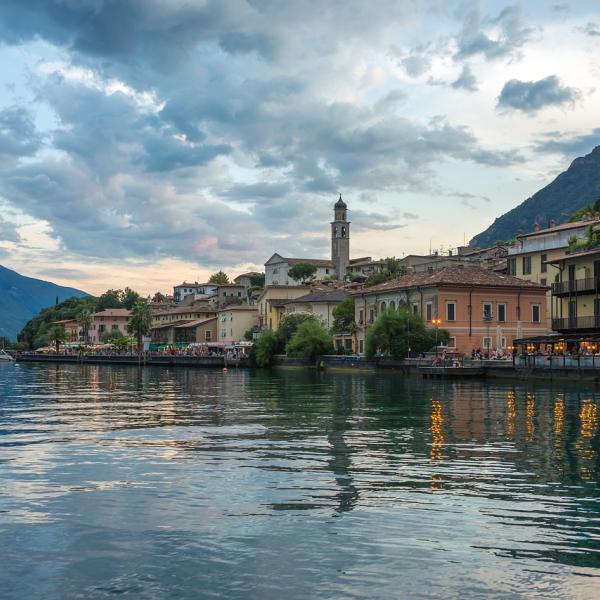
(57, 335)
(84, 320)
(140, 322)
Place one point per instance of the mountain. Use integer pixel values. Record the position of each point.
(576, 187)
(21, 298)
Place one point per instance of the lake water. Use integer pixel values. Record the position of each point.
(201, 484)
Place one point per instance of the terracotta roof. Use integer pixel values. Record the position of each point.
(362, 259)
(458, 276)
(336, 295)
(279, 302)
(563, 227)
(183, 310)
(318, 262)
(196, 323)
(113, 312)
(238, 307)
(574, 255)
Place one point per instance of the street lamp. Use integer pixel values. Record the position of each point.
(437, 322)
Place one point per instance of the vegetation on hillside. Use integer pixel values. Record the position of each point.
(572, 190)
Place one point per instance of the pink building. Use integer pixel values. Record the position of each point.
(111, 320)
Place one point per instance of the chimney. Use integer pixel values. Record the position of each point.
(536, 227)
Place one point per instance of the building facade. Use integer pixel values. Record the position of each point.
(234, 321)
(272, 302)
(340, 239)
(480, 309)
(109, 322)
(532, 256)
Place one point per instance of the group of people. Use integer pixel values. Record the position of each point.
(491, 354)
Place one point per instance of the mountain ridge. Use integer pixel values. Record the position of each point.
(571, 190)
(22, 297)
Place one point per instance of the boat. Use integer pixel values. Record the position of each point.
(4, 355)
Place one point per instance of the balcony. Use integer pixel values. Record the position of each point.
(577, 324)
(589, 285)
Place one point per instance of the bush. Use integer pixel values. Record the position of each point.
(310, 340)
(264, 349)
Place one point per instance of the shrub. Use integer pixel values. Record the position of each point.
(310, 340)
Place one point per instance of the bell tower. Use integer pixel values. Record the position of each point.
(340, 239)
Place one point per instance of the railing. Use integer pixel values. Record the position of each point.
(558, 362)
(570, 323)
(574, 286)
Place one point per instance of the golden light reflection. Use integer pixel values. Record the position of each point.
(530, 422)
(437, 432)
(511, 414)
(559, 416)
(588, 420)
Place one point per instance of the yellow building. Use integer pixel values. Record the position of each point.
(272, 301)
(181, 313)
(234, 321)
(533, 252)
(576, 293)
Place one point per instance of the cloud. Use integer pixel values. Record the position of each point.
(466, 80)
(18, 136)
(531, 96)
(8, 231)
(409, 215)
(591, 29)
(568, 144)
(492, 38)
(416, 64)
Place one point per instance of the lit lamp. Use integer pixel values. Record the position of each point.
(437, 322)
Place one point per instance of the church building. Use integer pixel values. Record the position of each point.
(277, 267)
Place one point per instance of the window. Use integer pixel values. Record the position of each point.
(543, 265)
(371, 315)
(451, 311)
(361, 316)
(428, 311)
(503, 342)
(543, 281)
(207, 336)
(487, 343)
(452, 342)
(392, 305)
(415, 309)
(487, 311)
(361, 346)
(382, 306)
(535, 313)
(571, 272)
(527, 265)
(502, 312)
(348, 344)
(512, 266)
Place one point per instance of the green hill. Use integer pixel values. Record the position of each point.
(21, 298)
(576, 187)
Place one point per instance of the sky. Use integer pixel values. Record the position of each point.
(146, 142)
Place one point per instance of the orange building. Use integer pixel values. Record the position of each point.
(481, 309)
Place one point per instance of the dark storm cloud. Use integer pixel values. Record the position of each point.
(531, 96)
(568, 144)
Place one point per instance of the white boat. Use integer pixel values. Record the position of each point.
(5, 355)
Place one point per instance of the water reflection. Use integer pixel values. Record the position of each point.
(231, 469)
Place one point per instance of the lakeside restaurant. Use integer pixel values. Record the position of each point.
(571, 351)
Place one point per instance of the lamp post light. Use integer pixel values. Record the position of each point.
(437, 322)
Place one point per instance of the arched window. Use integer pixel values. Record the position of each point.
(335, 232)
(392, 305)
(382, 306)
(343, 232)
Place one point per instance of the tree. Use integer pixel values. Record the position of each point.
(158, 298)
(110, 299)
(343, 316)
(111, 335)
(249, 334)
(288, 326)
(392, 269)
(309, 341)
(303, 271)
(84, 320)
(57, 335)
(219, 278)
(265, 348)
(394, 332)
(257, 280)
(129, 298)
(140, 322)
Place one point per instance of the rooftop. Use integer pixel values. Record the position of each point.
(239, 307)
(557, 228)
(335, 295)
(458, 276)
(113, 312)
